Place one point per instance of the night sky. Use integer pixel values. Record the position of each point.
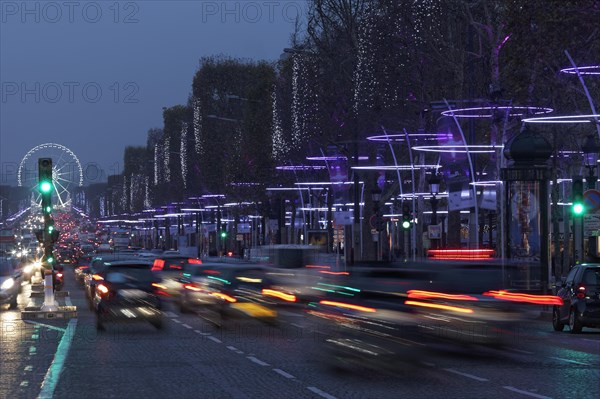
(94, 76)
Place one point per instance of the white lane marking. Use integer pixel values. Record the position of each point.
(171, 314)
(201, 333)
(592, 340)
(34, 336)
(25, 383)
(521, 351)
(321, 393)
(296, 325)
(38, 325)
(289, 314)
(177, 321)
(428, 364)
(534, 395)
(217, 340)
(32, 350)
(29, 368)
(187, 326)
(53, 373)
(467, 375)
(283, 373)
(257, 361)
(68, 301)
(232, 348)
(570, 361)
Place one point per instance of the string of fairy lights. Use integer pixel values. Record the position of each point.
(183, 154)
(166, 159)
(278, 147)
(197, 122)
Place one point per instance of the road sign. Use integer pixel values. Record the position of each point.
(591, 225)
(591, 199)
(343, 218)
(435, 231)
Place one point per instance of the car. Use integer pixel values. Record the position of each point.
(96, 271)
(221, 291)
(10, 282)
(580, 293)
(127, 292)
(170, 269)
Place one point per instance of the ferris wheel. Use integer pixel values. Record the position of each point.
(66, 172)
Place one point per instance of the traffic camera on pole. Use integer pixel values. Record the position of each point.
(578, 207)
(406, 217)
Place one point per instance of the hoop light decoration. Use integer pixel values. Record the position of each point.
(300, 167)
(401, 137)
(473, 149)
(394, 167)
(584, 70)
(591, 118)
(488, 112)
(335, 158)
(486, 183)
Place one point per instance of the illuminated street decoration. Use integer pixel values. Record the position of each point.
(489, 112)
(564, 119)
(167, 159)
(183, 153)
(584, 70)
(278, 147)
(458, 148)
(197, 127)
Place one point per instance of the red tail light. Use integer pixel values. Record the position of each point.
(279, 294)
(192, 287)
(103, 291)
(159, 264)
(193, 261)
(59, 275)
(581, 292)
(97, 277)
(224, 297)
(525, 298)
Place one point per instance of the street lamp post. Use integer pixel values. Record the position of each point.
(376, 197)
(434, 189)
(590, 150)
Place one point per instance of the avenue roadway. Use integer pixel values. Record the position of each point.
(191, 358)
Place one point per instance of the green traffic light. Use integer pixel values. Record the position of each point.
(50, 259)
(405, 224)
(50, 228)
(223, 234)
(578, 209)
(45, 187)
(48, 209)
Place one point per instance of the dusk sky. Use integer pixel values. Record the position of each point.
(94, 76)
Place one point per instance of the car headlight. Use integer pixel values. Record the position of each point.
(7, 284)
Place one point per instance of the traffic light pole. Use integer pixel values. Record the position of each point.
(46, 187)
(577, 214)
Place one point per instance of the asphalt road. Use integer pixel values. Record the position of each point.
(191, 358)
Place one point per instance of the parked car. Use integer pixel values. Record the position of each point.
(580, 293)
(10, 282)
(127, 293)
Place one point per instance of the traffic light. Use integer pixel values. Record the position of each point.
(578, 207)
(223, 234)
(406, 217)
(45, 184)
